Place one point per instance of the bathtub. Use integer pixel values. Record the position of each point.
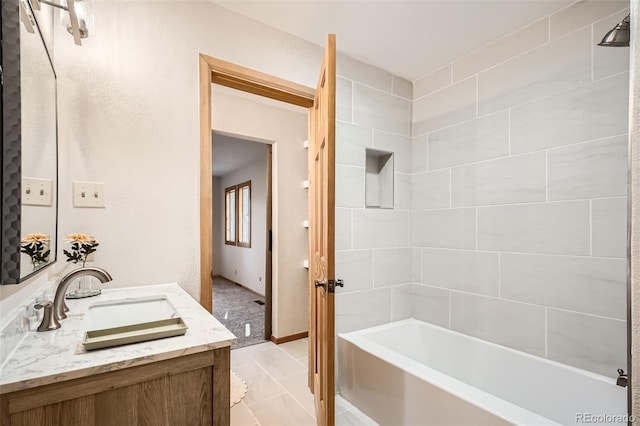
(413, 373)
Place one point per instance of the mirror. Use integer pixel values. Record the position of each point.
(29, 152)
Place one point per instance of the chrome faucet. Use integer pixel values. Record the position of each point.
(58, 301)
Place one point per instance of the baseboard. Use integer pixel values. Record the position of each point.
(236, 283)
(278, 340)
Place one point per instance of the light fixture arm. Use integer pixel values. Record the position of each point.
(73, 16)
(50, 3)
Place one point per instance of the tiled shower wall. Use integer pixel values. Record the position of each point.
(519, 168)
(373, 252)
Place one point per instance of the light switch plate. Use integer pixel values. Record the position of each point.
(88, 194)
(36, 192)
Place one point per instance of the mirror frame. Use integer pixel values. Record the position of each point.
(11, 159)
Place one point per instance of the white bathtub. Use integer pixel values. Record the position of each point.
(414, 373)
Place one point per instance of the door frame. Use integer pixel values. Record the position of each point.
(214, 70)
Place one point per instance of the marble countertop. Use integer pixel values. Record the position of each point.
(43, 358)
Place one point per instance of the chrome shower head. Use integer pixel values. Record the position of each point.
(619, 36)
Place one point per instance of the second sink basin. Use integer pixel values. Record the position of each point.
(123, 312)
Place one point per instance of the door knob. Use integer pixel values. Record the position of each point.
(320, 283)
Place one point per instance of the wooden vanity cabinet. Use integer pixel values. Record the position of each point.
(188, 390)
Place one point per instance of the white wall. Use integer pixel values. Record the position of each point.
(129, 118)
(244, 265)
(519, 191)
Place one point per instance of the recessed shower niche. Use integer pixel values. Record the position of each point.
(379, 179)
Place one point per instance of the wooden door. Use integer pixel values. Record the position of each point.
(322, 239)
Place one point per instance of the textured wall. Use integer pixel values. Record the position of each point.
(519, 191)
(129, 118)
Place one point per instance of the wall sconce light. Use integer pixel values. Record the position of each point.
(78, 19)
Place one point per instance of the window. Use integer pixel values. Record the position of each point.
(244, 214)
(230, 215)
(237, 208)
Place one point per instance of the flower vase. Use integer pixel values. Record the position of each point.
(85, 289)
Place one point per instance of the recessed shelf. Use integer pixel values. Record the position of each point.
(379, 179)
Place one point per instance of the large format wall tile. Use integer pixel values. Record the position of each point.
(402, 191)
(379, 110)
(399, 145)
(349, 186)
(589, 170)
(588, 342)
(377, 228)
(609, 221)
(431, 190)
(448, 228)
(416, 265)
(344, 95)
(470, 271)
(582, 13)
(551, 228)
(577, 115)
(355, 268)
(391, 267)
(516, 325)
(362, 309)
(510, 180)
(351, 141)
(608, 61)
(419, 153)
(430, 304)
(512, 45)
(448, 106)
(343, 229)
(363, 73)
(523, 79)
(583, 284)
(437, 80)
(402, 87)
(401, 302)
(481, 139)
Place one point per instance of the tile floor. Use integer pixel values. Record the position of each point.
(277, 395)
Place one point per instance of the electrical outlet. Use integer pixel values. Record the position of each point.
(88, 194)
(36, 192)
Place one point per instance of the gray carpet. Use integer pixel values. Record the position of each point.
(235, 307)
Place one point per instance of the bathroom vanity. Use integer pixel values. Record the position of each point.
(50, 379)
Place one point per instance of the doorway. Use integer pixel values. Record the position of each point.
(241, 266)
(321, 134)
(284, 127)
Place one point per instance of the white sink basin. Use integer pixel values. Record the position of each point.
(124, 312)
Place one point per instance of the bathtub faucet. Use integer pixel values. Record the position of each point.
(622, 379)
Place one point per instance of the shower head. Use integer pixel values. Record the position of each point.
(619, 36)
